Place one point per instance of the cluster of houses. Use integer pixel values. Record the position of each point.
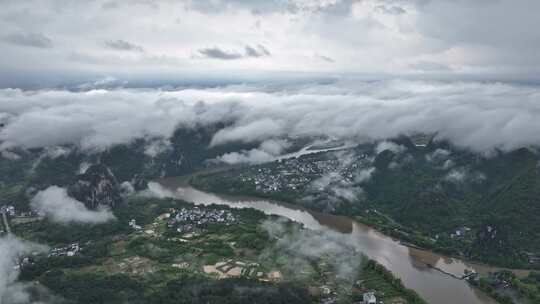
(186, 220)
(295, 174)
(369, 298)
(70, 250)
(534, 258)
(11, 211)
(8, 209)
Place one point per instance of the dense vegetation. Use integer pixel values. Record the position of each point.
(507, 288)
(111, 289)
(106, 246)
(196, 290)
(414, 201)
(412, 195)
(376, 277)
(187, 150)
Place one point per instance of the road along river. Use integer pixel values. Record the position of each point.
(409, 264)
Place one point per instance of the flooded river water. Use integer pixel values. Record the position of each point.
(409, 264)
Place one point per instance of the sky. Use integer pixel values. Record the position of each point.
(100, 73)
(93, 74)
(58, 42)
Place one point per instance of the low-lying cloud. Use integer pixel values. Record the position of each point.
(364, 175)
(157, 146)
(391, 146)
(58, 206)
(442, 158)
(268, 151)
(302, 246)
(463, 175)
(482, 117)
(12, 249)
(438, 155)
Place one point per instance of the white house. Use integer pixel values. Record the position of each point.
(369, 298)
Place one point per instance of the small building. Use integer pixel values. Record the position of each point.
(462, 231)
(8, 210)
(133, 224)
(369, 298)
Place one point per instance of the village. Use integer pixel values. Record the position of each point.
(185, 220)
(198, 240)
(188, 220)
(9, 214)
(190, 223)
(68, 251)
(296, 174)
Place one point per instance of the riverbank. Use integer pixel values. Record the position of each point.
(381, 223)
(407, 264)
(156, 243)
(414, 239)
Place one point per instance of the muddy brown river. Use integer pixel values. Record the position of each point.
(409, 264)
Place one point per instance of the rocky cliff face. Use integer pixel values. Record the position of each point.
(96, 187)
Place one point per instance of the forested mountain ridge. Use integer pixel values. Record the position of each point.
(434, 189)
(484, 207)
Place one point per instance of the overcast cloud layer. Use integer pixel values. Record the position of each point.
(56, 41)
(479, 116)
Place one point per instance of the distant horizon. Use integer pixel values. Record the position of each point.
(55, 43)
(269, 151)
(202, 80)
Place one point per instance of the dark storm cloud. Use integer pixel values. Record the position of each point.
(36, 40)
(122, 45)
(249, 51)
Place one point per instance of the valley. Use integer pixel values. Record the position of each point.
(269, 152)
(169, 243)
(436, 198)
(348, 195)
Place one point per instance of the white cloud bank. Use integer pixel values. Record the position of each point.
(55, 204)
(11, 249)
(268, 151)
(388, 145)
(479, 116)
(464, 175)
